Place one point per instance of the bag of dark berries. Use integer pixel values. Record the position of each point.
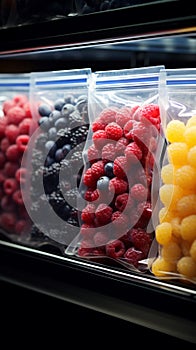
(119, 156)
(59, 103)
(15, 124)
(175, 227)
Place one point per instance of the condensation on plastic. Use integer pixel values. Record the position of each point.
(177, 248)
(55, 152)
(116, 89)
(15, 120)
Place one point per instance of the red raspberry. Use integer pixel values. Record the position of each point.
(22, 142)
(97, 169)
(17, 197)
(20, 99)
(25, 126)
(98, 125)
(122, 117)
(85, 248)
(100, 139)
(128, 130)
(3, 123)
(141, 240)
(91, 195)
(113, 131)
(8, 104)
(21, 227)
(5, 143)
(27, 110)
(88, 214)
(144, 209)
(108, 115)
(121, 145)
(139, 192)
(123, 201)
(115, 249)
(133, 256)
(13, 153)
(10, 169)
(120, 222)
(93, 154)
(10, 186)
(20, 175)
(15, 115)
(100, 238)
(140, 176)
(2, 159)
(133, 153)
(11, 132)
(7, 204)
(87, 230)
(103, 214)
(120, 167)
(118, 185)
(109, 152)
(8, 221)
(151, 113)
(89, 180)
(141, 135)
(2, 177)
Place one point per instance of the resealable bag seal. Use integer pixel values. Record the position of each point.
(115, 202)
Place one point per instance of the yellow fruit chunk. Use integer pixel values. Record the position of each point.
(185, 177)
(177, 153)
(188, 228)
(161, 268)
(193, 250)
(191, 121)
(168, 174)
(185, 246)
(171, 252)
(165, 215)
(175, 131)
(186, 205)
(163, 233)
(191, 157)
(187, 266)
(190, 136)
(170, 195)
(176, 227)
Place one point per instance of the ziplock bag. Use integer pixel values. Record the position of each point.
(176, 227)
(115, 202)
(15, 124)
(59, 103)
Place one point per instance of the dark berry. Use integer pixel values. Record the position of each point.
(60, 123)
(109, 169)
(58, 104)
(44, 110)
(44, 123)
(103, 183)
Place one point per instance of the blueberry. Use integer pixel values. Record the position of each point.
(67, 109)
(58, 104)
(61, 123)
(50, 147)
(65, 211)
(52, 133)
(59, 155)
(44, 123)
(49, 161)
(103, 183)
(69, 99)
(66, 148)
(44, 110)
(109, 169)
(54, 115)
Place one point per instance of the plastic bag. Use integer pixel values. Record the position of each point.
(115, 203)
(176, 227)
(59, 104)
(15, 124)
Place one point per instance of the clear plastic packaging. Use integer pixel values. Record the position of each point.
(115, 199)
(176, 228)
(15, 124)
(59, 104)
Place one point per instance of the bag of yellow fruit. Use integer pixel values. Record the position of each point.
(175, 226)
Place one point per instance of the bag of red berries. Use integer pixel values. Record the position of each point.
(119, 157)
(175, 228)
(59, 104)
(15, 124)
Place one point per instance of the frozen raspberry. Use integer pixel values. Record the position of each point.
(87, 230)
(108, 115)
(10, 186)
(109, 152)
(100, 139)
(15, 115)
(103, 214)
(144, 209)
(20, 175)
(120, 167)
(2, 159)
(121, 145)
(93, 154)
(27, 109)
(20, 99)
(25, 126)
(139, 192)
(118, 186)
(21, 227)
(8, 104)
(17, 197)
(141, 135)
(123, 201)
(97, 169)
(113, 131)
(122, 117)
(150, 113)
(133, 153)
(10, 169)
(13, 153)
(22, 142)
(7, 204)
(11, 132)
(8, 221)
(88, 214)
(85, 248)
(5, 143)
(115, 249)
(100, 238)
(89, 180)
(133, 256)
(2, 177)
(128, 128)
(98, 125)
(141, 240)
(120, 222)
(91, 195)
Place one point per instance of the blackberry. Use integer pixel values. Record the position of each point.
(75, 119)
(72, 222)
(56, 200)
(63, 137)
(79, 135)
(71, 197)
(51, 177)
(36, 233)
